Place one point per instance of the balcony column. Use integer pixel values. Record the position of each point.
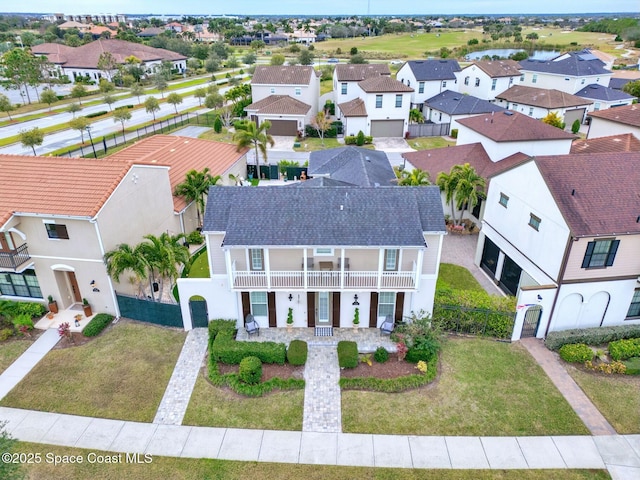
(342, 269)
(227, 261)
(418, 272)
(380, 266)
(267, 268)
(304, 269)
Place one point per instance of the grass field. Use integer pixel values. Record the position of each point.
(121, 374)
(11, 350)
(455, 276)
(485, 388)
(310, 144)
(225, 136)
(428, 143)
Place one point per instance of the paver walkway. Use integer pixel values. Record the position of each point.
(322, 400)
(588, 413)
(29, 359)
(176, 397)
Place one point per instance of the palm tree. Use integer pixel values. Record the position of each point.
(249, 134)
(469, 189)
(448, 183)
(126, 258)
(179, 253)
(194, 188)
(414, 178)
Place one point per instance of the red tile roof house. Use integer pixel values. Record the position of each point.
(83, 61)
(562, 233)
(53, 238)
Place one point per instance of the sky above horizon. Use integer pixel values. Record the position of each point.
(325, 7)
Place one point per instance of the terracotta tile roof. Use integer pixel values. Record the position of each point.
(628, 115)
(356, 72)
(441, 160)
(510, 126)
(86, 56)
(283, 75)
(181, 154)
(499, 68)
(626, 142)
(279, 105)
(383, 84)
(55, 52)
(98, 30)
(602, 184)
(542, 97)
(56, 185)
(353, 108)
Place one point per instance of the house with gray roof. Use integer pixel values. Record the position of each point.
(353, 165)
(604, 97)
(323, 253)
(428, 78)
(449, 107)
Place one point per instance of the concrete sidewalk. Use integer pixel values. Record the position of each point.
(618, 453)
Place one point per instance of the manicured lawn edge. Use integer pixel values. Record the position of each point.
(392, 385)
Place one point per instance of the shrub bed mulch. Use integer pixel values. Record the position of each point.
(77, 340)
(392, 368)
(269, 370)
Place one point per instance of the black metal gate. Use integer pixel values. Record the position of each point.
(531, 321)
(199, 313)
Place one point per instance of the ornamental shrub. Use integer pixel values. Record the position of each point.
(226, 349)
(22, 320)
(96, 114)
(360, 138)
(97, 324)
(347, 354)
(633, 366)
(297, 352)
(624, 349)
(576, 353)
(5, 333)
(250, 370)
(591, 336)
(381, 355)
(454, 133)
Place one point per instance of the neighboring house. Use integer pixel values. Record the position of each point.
(505, 133)
(381, 108)
(539, 102)
(622, 77)
(615, 121)
(604, 97)
(52, 241)
(353, 166)
(449, 107)
(428, 78)
(300, 36)
(346, 77)
(486, 79)
(83, 61)
(73, 25)
(569, 72)
(568, 252)
(625, 142)
(326, 252)
(287, 96)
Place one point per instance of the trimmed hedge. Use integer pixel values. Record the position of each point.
(353, 140)
(591, 336)
(96, 114)
(381, 355)
(311, 131)
(226, 349)
(250, 370)
(216, 326)
(425, 350)
(624, 349)
(297, 352)
(392, 385)
(32, 309)
(347, 354)
(97, 324)
(633, 366)
(576, 353)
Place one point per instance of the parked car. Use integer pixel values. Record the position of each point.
(333, 60)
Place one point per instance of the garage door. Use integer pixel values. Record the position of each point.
(387, 128)
(284, 127)
(571, 116)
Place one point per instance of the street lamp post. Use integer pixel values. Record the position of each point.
(88, 128)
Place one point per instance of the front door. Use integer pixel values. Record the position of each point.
(75, 291)
(324, 316)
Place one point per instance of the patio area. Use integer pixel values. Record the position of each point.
(368, 339)
(68, 315)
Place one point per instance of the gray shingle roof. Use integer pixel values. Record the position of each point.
(322, 182)
(333, 216)
(598, 92)
(455, 103)
(425, 70)
(577, 64)
(357, 166)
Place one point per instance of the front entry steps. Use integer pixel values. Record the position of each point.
(323, 331)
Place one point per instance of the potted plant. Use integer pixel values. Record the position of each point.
(53, 305)
(356, 319)
(50, 315)
(290, 320)
(78, 317)
(86, 307)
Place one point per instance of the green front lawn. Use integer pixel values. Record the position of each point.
(457, 277)
(10, 350)
(121, 374)
(311, 144)
(225, 136)
(485, 387)
(616, 396)
(200, 266)
(428, 143)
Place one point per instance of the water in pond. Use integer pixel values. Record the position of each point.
(505, 52)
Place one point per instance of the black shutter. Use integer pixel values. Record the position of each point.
(246, 305)
(335, 320)
(311, 309)
(612, 252)
(587, 256)
(373, 310)
(399, 306)
(271, 308)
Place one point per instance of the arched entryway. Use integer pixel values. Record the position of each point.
(594, 310)
(199, 312)
(531, 321)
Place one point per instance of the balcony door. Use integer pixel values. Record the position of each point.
(323, 310)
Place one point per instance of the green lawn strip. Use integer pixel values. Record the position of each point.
(10, 350)
(484, 388)
(311, 144)
(457, 277)
(428, 143)
(122, 374)
(616, 396)
(198, 469)
(224, 136)
(199, 265)
(212, 406)
(326, 86)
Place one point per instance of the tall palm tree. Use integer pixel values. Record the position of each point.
(448, 183)
(126, 258)
(249, 134)
(469, 189)
(413, 178)
(178, 251)
(195, 187)
(158, 261)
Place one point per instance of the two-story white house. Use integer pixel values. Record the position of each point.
(615, 121)
(604, 97)
(287, 96)
(428, 78)
(325, 252)
(569, 253)
(486, 79)
(346, 77)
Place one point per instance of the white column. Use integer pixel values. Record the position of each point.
(342, 269)
(227, 259)
(380, 266)
(304, 268)
(267, 267)
(418, 272)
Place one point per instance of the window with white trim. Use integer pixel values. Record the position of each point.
(600, 253)
(634, 308)
(493, 84)
(504, 200)
(421, 87)
(343, 89)
(272, 90)
(386, 304)
(323, 251)
(57, 231)
(466, 80)
(256, 259)
(391, 259)
(444, 84)
(378, 101)
(259, 304)
(534, 222)
(398, 101)
(477, 82)
(531, 111)
(298, 91)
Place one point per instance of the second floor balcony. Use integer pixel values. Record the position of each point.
(13, 260)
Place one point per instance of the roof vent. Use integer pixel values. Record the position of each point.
(341, 207)
(507, 112)
(457, 99)
(376, 184)
(638, 219)
(443, 61)
(573, 192)
(595, 87)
